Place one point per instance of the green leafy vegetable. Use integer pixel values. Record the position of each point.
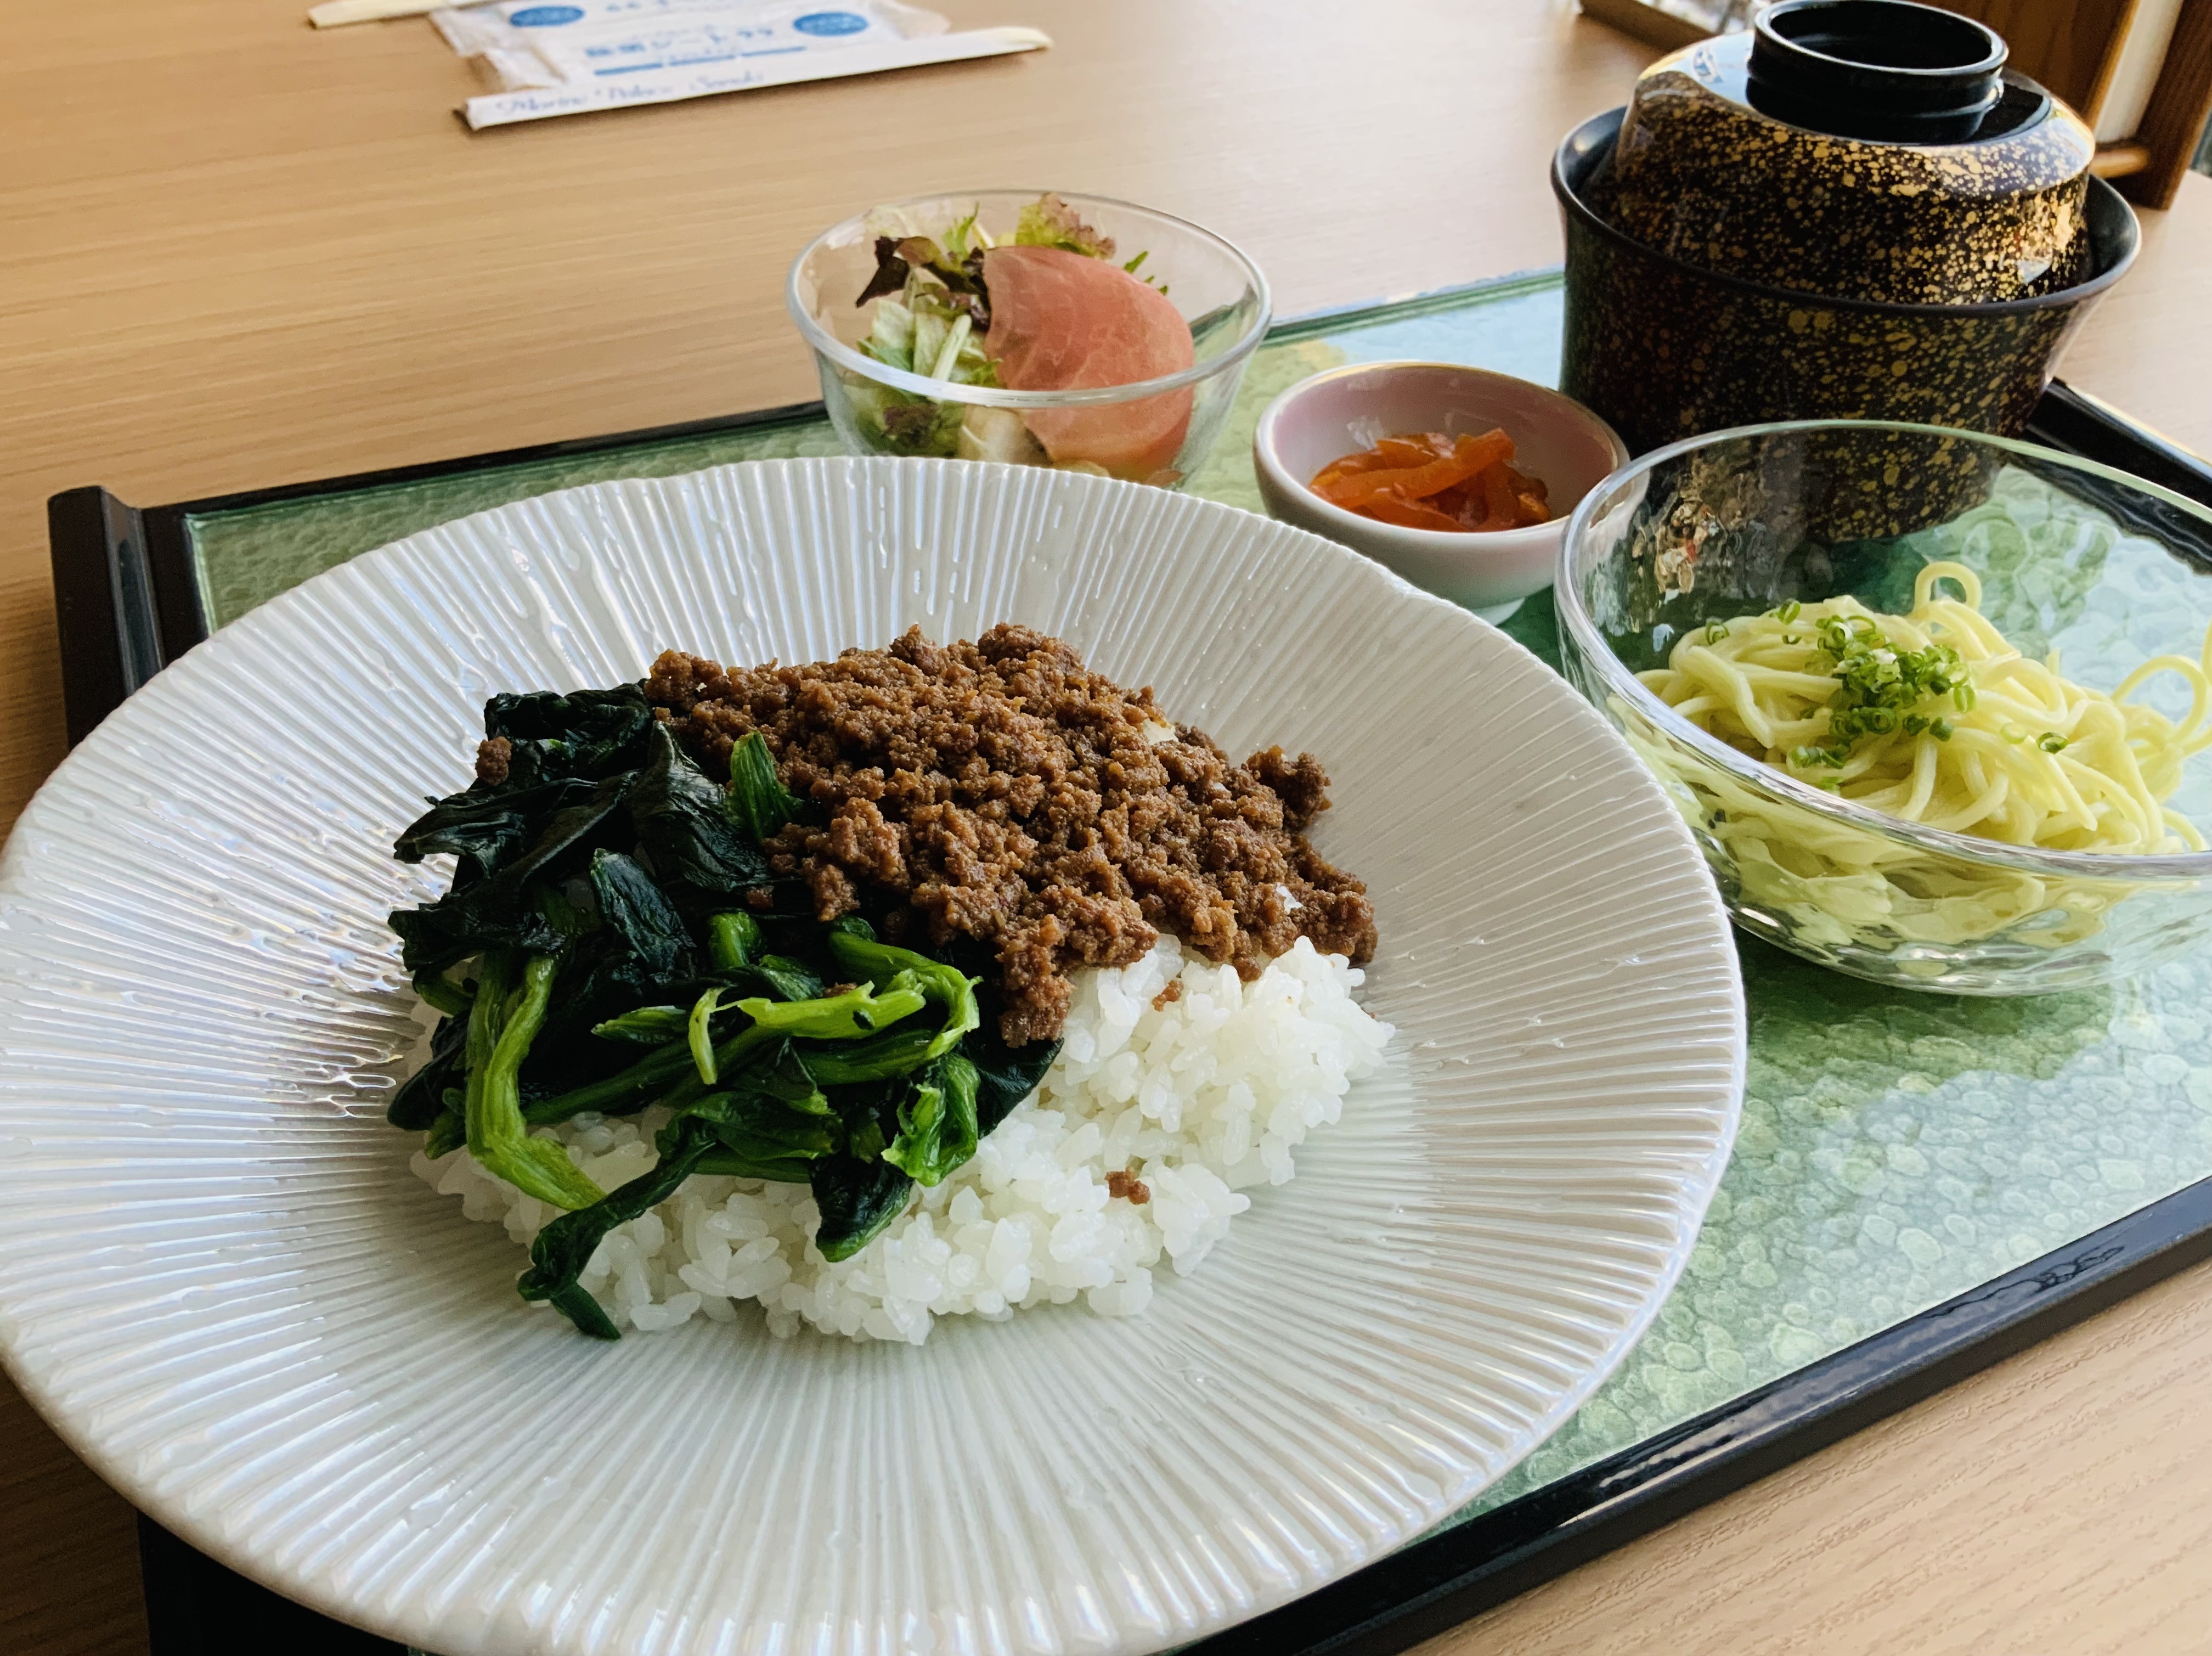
(501, 1027)
(699, 1034)
(627, 1090)
(784, 979)
(936, 1126)
(611, 939)
(443, 994)
(503, 911)
(591, 734)
(684, 827)
(771, 1123)
(734, 940)
(632, 907)
(447, 1134)
(420, 1099)
(760, 802)
(474, 915)
(1005, 1075)
(959, 280)
(486, 829)
(1049, 221)
(880, 1057)
(650, 1025)
(565, 1247)
(944, 986)
(857, 1198)
(859, 1010)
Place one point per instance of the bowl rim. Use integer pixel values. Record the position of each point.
(1442, 540)
(1603, 130)
(1580, 630)
(828, 345)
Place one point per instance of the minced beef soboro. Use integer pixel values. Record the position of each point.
(1004, 791)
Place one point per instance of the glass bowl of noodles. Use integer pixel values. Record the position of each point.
(1937, 706)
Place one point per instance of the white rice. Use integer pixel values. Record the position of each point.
(1200, 1098)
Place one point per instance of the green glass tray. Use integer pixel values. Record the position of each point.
(1900, 1155)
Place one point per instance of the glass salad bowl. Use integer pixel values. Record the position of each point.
(2083, 569)
(904, 374)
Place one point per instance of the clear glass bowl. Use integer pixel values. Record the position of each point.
(1218, 291)
(2106, 569)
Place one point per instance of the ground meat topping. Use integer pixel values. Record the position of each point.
(1122, 1188)
(1003, 791)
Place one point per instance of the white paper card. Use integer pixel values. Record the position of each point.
(568, 58)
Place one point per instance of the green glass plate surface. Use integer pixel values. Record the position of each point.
(1896, 1149)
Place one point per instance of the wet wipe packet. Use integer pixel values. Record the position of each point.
(568, 58)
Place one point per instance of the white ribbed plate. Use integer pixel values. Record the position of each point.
(221, 1283)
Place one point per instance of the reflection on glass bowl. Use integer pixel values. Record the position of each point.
(1172, 420)
(2106, 571)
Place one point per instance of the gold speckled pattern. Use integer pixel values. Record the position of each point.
(1663, 351)
(1701, 175)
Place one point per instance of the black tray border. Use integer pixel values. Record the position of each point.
(127, 602)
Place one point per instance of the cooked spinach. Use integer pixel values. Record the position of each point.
(858, 1198)
(564, 1247)
(685, 826)
(612, 939)
(590, 733)
(937, 1127)
(501, 1026)
(757, 798)
(944, 986)
(486, 828)
(632, 907)
(420, 1099)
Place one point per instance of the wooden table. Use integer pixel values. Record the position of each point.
(236, 252)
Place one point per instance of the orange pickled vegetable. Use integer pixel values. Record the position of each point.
(1470, 456)
(1416, 450)
(1411, 514)
(1425, 480)
(1349, 465)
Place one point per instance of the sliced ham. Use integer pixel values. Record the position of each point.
(1061, 321)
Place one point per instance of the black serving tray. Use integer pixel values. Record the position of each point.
(130, 599)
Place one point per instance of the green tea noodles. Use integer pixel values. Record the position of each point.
(1931, 717)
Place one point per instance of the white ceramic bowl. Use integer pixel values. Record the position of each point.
(1344, 409)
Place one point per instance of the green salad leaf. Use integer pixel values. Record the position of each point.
(1049, 221)
(958, 277)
